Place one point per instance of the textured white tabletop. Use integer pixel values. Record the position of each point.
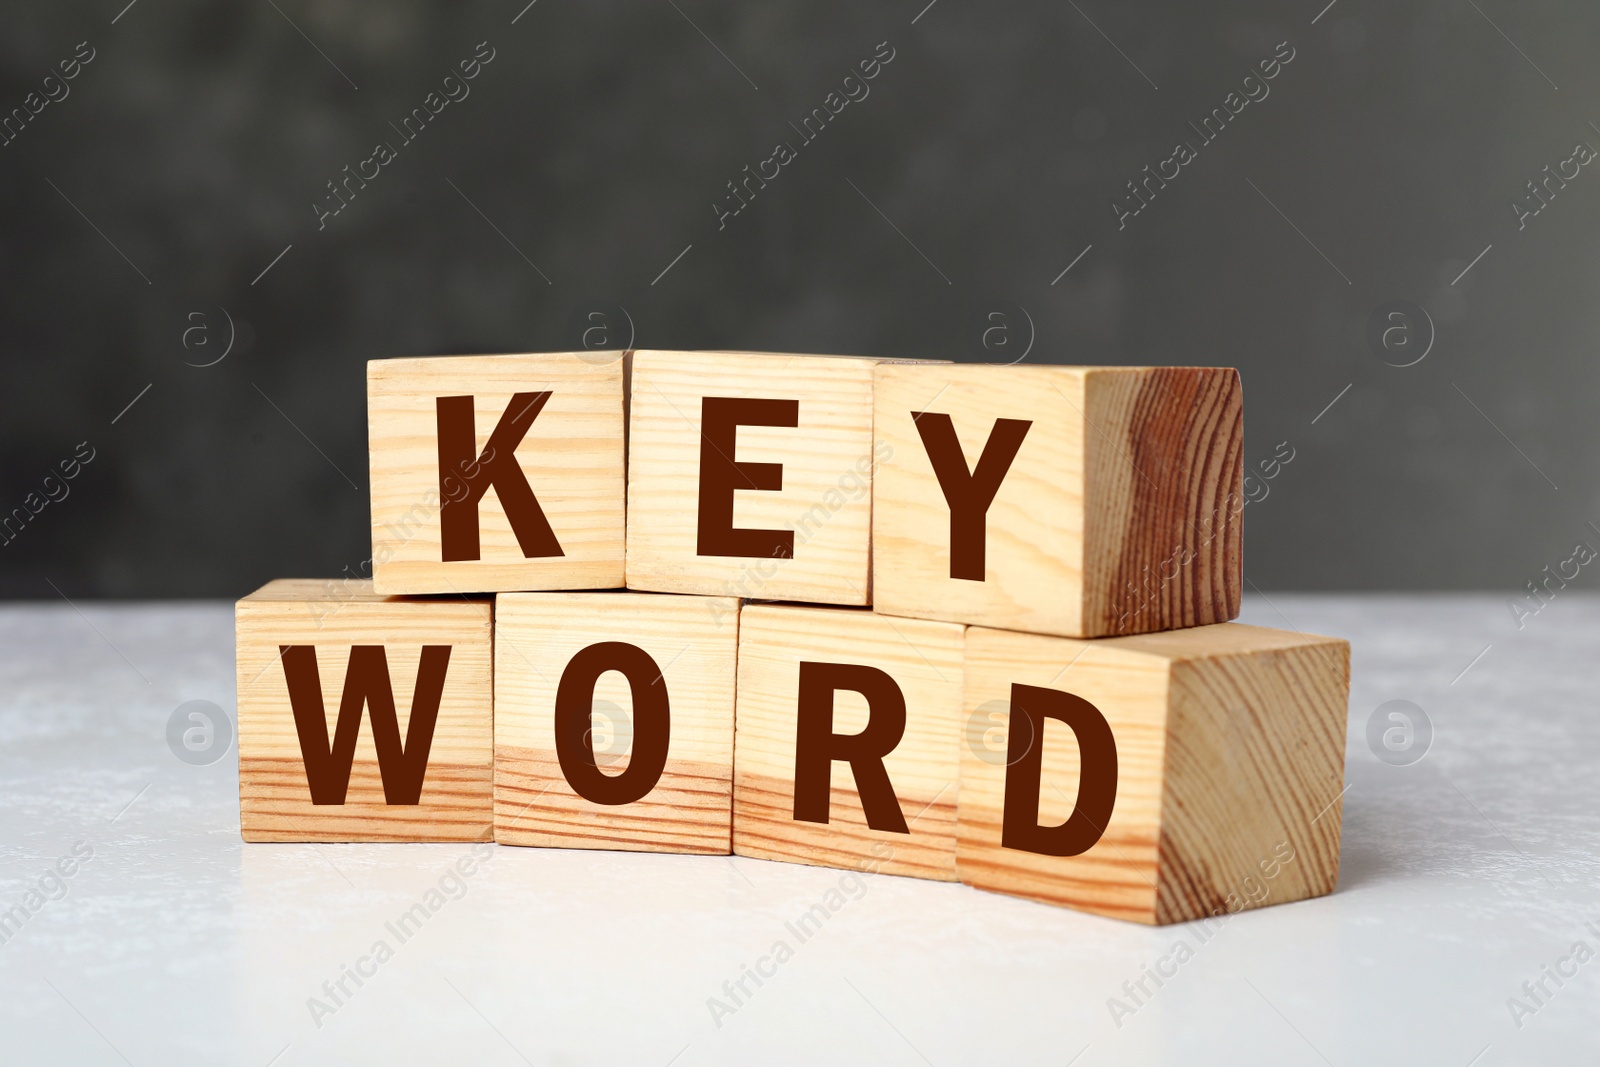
(1466, 874)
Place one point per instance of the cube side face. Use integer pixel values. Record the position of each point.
(1032, 551)
(1164, 477)
(691, 644)
(327, 638)
(563, 413)
(1116, 875)
(924, 662)
(1254, 776)
(821, 498)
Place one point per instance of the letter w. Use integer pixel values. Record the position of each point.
(366, 684)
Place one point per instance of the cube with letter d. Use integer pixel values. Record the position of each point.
(1077, 501)
(846, 751)
(493, 473)
(1159, 777)
(750, 475)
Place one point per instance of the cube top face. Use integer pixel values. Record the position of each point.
(492, 473)
(1201, 769)
(654, 718)
(750, 475)
(895, 683)
(363, 718)
(1075, 501)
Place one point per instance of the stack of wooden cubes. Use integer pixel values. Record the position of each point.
(949, 621)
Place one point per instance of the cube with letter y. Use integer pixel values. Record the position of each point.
(363, 717)
(1156, 777)
(847, 747)
(750, 474)
(614, 721)
(1078, 501)
(497, 472)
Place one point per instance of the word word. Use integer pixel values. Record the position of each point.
(1255, 89)
(55, 91)
(1582, 155)
(55, 491)
(455, 90)
(1538, 992)
(1255, 892)
(52, 886)
(452, 885)
(1543, 593)
(851, 887)
(854, 89)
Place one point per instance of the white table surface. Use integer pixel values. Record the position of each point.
(1464, 875)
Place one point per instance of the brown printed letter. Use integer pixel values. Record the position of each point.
(816, 746)
(460, 462)
(1097, 773)
(969, 494)
(720, 419)
(366, 683)
(652, 723)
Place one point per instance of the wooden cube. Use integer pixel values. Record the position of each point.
(614, 721)
(750, 474)
(1079, 501)
(847, 748)
(1158, 777)
(363, 717)
(497, 472)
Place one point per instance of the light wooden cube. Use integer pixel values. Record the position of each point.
(1079, 501)
(750, 474)
(614, 721)
(497, 472)
(402, 751)
(891, 808)
(1181, 775)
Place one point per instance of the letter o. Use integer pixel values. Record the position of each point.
(652, 723)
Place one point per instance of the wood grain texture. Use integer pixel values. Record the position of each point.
(925, 661)
(827, 459)
(1118, 514)
(694, 642)
(332, 616)
(573, 457)
(1230, 752)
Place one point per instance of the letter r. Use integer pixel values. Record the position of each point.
(816, 746)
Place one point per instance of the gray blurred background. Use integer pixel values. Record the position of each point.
(162, 206)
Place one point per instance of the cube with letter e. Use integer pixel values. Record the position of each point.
(750, 475)
(492, 473)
